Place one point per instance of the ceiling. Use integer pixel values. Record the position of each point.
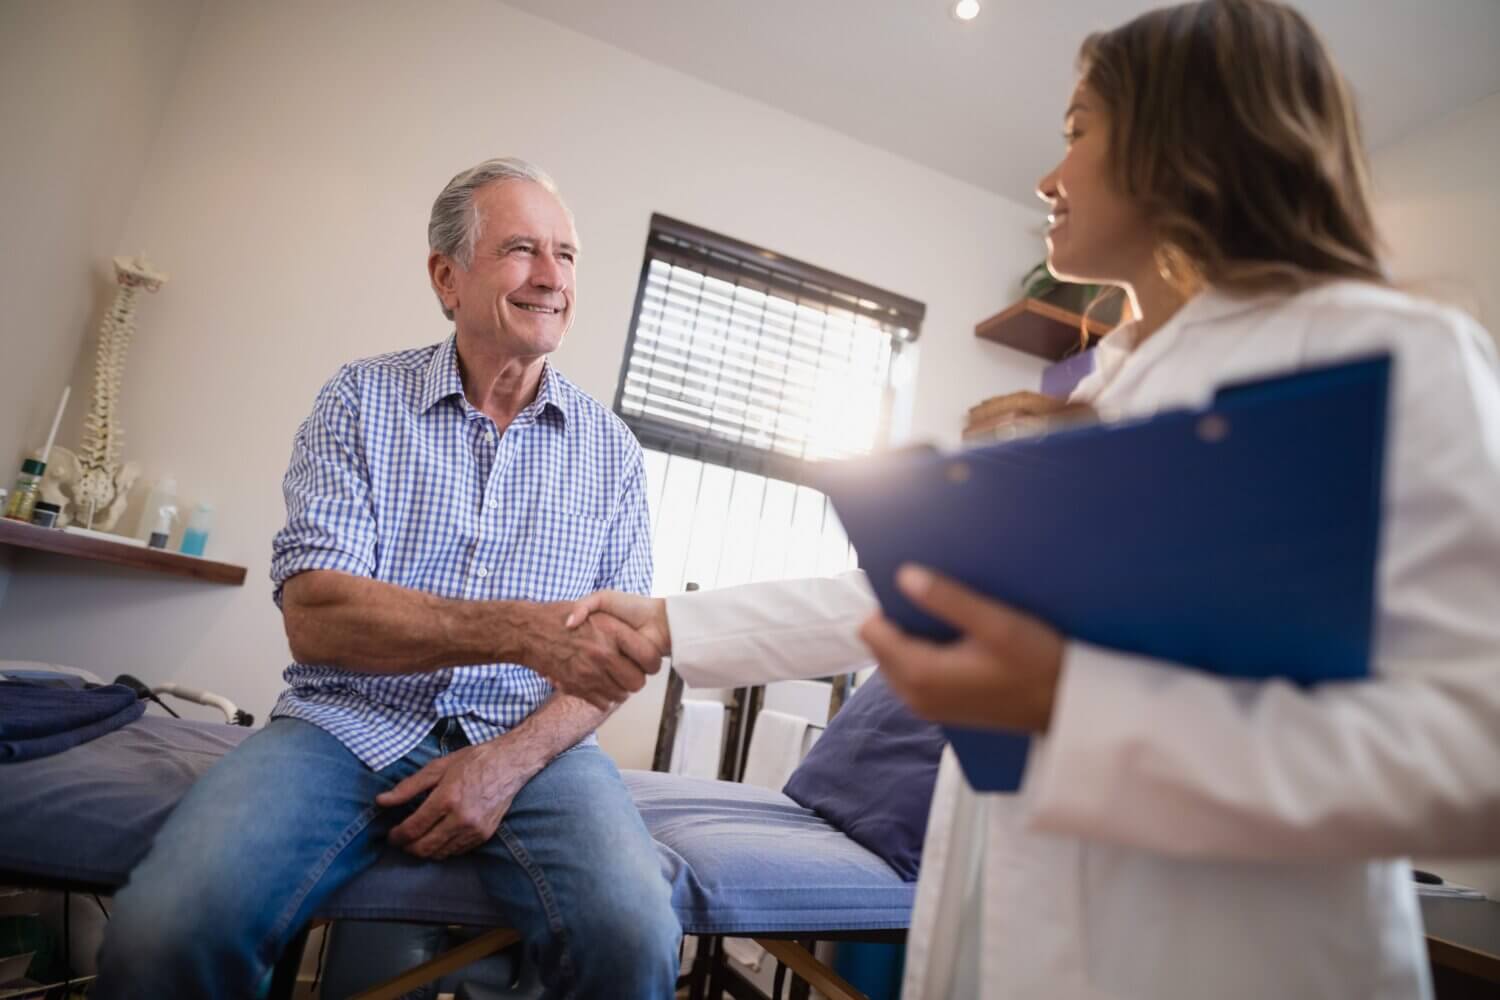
(982, 101)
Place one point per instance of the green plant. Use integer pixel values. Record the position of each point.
(1039, 283)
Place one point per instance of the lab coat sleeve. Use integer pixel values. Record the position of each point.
(1155, 756)
(763, 632)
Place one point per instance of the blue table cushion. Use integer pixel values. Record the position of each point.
(744, 859)
(739, 859)
(88, 814)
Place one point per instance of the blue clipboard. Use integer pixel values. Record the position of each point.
(1240, 538)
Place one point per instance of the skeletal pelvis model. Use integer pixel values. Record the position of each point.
(90, 484)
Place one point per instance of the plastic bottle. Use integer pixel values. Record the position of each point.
(162, 528)
(195, 535)
(28, 490)
(163, 494)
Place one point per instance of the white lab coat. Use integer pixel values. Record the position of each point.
(1183, 836)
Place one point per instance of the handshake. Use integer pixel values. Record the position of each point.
(601, 648)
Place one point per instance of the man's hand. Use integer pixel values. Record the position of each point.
(600, 660)
(468, 793)
(647, 615)
(1002, 673)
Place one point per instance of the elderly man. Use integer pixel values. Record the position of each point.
(444, 506)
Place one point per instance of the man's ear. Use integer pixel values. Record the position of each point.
(441, 269)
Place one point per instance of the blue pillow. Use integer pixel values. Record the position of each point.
(871, 775)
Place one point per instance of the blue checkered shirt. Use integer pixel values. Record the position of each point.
(395, 477)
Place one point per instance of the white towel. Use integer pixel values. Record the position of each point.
(775, 749)
(699, 740)
(746, 952)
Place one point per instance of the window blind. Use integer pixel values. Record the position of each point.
(744, 358)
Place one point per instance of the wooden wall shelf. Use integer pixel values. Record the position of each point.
(18, 535)
(1038, 328)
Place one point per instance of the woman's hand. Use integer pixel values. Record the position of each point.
(1002, 673)
(597, 658)
(1025, 412)
(647, 615)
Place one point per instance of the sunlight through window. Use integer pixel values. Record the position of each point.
(742, 369)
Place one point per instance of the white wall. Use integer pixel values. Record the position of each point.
(82, 90)
(287, 194)
(1438, 204)
(1437, 196)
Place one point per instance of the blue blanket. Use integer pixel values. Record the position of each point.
(38, 720)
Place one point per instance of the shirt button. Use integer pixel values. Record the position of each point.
(481, 572)
(493, 505)
(489, 437)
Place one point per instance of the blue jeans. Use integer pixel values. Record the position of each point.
(263, 839)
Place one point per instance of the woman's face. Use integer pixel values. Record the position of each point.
(1096, 234)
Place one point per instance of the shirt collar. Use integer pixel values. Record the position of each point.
(443, 380)
(1212, 306)
(1120, 348)
(1208, 306)
(551, 394)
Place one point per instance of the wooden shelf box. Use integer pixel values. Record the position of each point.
(19, 535)
(1040, 328)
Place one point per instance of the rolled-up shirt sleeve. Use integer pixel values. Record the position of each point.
(330, 520)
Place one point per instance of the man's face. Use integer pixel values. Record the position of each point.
(517, 293)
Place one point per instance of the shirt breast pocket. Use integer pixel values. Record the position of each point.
(557, 559)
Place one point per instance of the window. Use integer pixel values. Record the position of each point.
(742, 369)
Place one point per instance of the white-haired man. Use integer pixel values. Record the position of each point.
(444, 506)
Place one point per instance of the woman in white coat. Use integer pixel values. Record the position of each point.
(1180, 835)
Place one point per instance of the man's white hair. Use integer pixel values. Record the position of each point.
(453, 228)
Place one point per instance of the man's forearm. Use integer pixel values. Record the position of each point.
(560, 723)
(359, 624)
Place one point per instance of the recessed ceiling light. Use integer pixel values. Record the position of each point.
(966, 10)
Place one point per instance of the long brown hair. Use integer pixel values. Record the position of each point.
(1233, 128)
